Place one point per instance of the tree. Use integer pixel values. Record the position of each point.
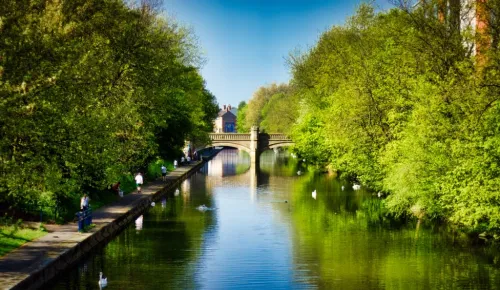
(91, 91)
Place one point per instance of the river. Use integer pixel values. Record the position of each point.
(263, 229)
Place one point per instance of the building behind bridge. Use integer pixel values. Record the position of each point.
(226, 120)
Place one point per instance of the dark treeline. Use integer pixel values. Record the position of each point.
(91, 91)
(406, 102)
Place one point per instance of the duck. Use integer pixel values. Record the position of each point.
(314, 194)
(356, 187)
(103, 281)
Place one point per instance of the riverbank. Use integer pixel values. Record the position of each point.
(36, 262)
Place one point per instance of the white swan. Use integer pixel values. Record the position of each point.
(103, 281)
(314, 194)
(138, 223)
(356, 187)
(202, 208)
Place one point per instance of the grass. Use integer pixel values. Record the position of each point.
(12, 237)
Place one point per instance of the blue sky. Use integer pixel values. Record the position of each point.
(245, 42)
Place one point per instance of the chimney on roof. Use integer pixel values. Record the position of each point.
(224, 108)
(228, 108)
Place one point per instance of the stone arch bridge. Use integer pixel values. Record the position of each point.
(253, 143)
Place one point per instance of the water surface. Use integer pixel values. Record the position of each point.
(264, 230)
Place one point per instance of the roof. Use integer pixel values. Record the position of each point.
(233, 111)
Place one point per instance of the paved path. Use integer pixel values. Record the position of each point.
(33, 256)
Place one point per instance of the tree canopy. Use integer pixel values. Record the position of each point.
(92, 90)
(398, 101)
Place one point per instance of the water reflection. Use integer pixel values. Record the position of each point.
(265, 230)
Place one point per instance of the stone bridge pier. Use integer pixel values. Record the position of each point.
(253, 143)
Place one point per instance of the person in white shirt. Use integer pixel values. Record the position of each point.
(139, 181)
(188, 159)
(175, 163)
(84, 202)
(164, 172)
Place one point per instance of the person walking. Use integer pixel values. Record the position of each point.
(84, 202)
(175, 163)
(139, 181)
(164, 173)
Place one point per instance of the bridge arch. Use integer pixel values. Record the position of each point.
(229, 144)
(276, 145)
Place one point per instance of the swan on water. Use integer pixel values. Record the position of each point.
(103, 281)
(314, 194)
(138, 223)
(356, 187)
(202, 208)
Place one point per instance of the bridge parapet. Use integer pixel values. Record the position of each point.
(278, 136)
(229, 137)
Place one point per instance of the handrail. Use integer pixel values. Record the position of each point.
(235, 136)
(242, 136)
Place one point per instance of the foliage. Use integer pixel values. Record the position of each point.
(241, 125)
(265, 107)
(398, 101)
(92, 90)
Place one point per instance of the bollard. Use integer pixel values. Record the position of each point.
(89, 216)
(80, 220)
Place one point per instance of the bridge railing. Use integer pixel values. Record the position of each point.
(230, 136)
(277, 136)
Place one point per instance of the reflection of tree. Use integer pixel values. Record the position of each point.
(278, 164)
(163, 253)
(166, 247)
(343, 241)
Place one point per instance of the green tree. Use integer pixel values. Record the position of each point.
(241, 125)
(92, 91)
